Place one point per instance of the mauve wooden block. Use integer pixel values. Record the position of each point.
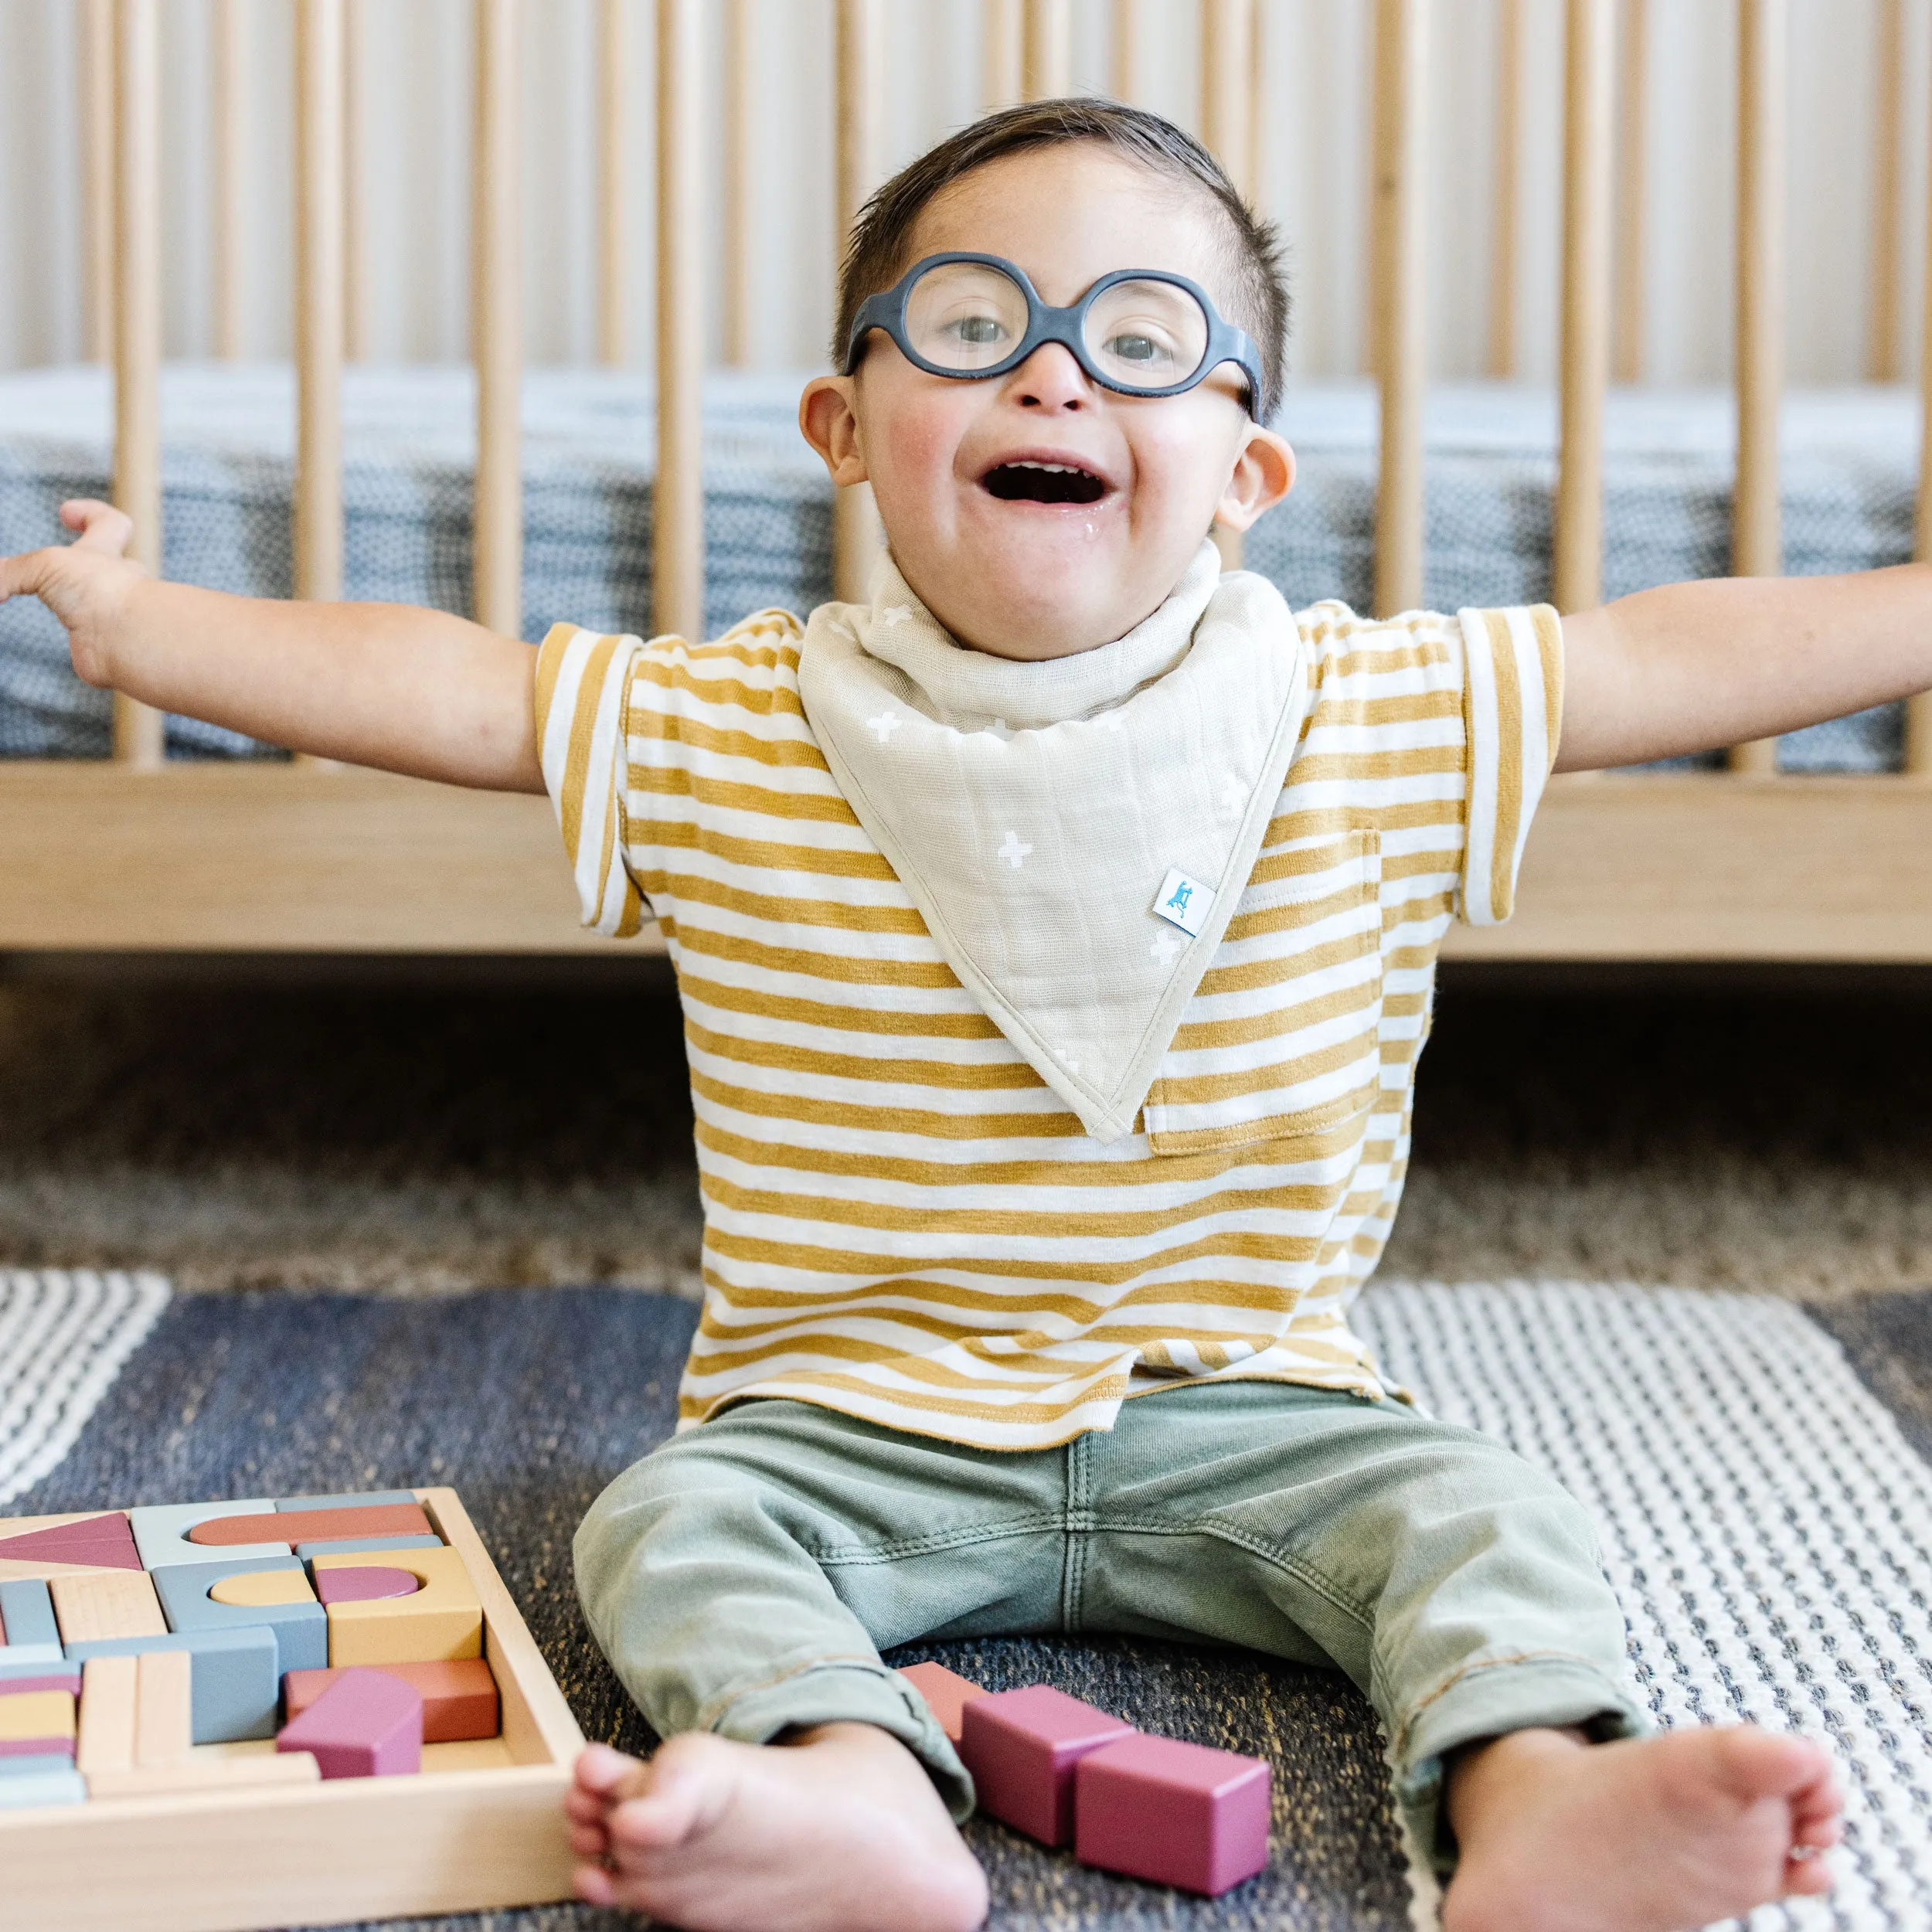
(1022, 1747)
(1179, 1814)
(366, 1724)
(459, 1699)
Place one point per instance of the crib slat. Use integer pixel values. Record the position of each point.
(1755, 540)
(1401, 72)
(1047, 61)
(228, 34)
(855, 536)
(356, 280)
(1881, 309)
(1633, 189)
(1589, 67)
(1124, 53)
(1227, 43)
(614, 226)
(1003, 43)
(1918, 711)
(496, 322)
(677, 544)
(1255, 160)
(319, 47)
(96, 28)
(1503, 250)
(139, 733)
(739, 106)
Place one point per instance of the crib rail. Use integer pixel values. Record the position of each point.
(1829, 825)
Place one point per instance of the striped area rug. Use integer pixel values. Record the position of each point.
(1766, 1525)
(64, 1335)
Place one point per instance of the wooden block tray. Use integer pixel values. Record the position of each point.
(481, 1826)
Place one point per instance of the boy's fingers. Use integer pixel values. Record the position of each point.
(22, 576)
(102, 527)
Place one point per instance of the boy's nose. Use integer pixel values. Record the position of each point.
(1050, 378)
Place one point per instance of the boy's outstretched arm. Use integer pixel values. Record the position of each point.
(1693, 667)
(386, 684)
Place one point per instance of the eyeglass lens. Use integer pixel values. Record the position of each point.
(1141, 334)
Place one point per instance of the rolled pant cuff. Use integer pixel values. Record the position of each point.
(851, 1692)
(1488, 1700)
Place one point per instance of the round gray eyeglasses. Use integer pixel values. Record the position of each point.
(1139, 331)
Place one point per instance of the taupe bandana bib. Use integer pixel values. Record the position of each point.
(1076, 832)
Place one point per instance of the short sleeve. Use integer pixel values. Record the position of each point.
(1512, 700)
(583, 699)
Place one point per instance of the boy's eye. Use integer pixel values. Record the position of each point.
(978, 329)
(1134, 349)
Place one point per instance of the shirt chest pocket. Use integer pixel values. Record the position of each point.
(1282, 1037)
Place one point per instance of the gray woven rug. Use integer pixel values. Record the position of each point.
(1767, 1516)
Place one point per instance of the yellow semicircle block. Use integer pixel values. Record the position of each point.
(260, 1588)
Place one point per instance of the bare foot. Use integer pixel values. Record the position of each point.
(840, 1831)
(1648, 1834)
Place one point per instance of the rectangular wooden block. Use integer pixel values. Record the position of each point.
(444, 1620)
(373, 1499)
(28, 1634)
(1022, 1747)
(236, 1686)
(107, 1706)
(1175, 1813)
(310, 1525)
(163, 1721)
(99, 1605)
(35, 1715)
(946, 1693)
(459, 1698)
(61, 1784)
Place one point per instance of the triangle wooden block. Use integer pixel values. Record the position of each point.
(94, 1542)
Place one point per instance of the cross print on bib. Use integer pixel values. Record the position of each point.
(1014, 850)
(884, 726)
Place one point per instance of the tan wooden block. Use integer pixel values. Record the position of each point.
(107, 1706)
(262, 1588)
(199, 1774)
(164, 1710)
(101, 1604)
(443, 1620)
(36, 1714)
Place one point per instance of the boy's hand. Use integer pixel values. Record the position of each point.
(385, 685)
(85, 583)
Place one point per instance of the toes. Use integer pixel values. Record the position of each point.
(1758, 1764)
(607, 1772)
(593, 1885)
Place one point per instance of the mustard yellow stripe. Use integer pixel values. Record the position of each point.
(758, 700)
(947, 1076)
(1201, 1036)
(1342, 711)
(930, 976)
(549, 662)
(847, 1020)
(1549, 644)
(813, 1110)
(1502, 862)
(674, 781)
(582, 729)
(1052, 1227)
(652, 725)
(693, 888)
(759, 854)
(1367, 766)
(1231, 1244)
(1097, 1176)
(1430, 815)
(1252, 974)
(1298, 914)
(1196, 1089)
(1410, 654)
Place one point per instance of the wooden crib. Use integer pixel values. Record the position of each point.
(136, 854)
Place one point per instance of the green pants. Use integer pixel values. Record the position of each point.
(744, 1578)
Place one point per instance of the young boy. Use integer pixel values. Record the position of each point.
(1055, 935)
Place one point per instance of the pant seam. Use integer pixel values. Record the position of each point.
(1477, 1666)
(848, 1554)
(709, 1714)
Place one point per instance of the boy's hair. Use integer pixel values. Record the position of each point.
(882, 237)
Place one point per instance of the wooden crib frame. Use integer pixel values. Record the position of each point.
(133, 854)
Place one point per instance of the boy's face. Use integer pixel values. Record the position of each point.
(1027, 579)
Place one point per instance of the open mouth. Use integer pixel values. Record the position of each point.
(1031, 482)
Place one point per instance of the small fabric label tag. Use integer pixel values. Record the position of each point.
(1183, 902)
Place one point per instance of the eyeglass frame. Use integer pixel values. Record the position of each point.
(1046, 324)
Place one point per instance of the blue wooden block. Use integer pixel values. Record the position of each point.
(64, 1786)
(300, 1630)
(35, 1764)
(234, 1686)
(161, 1532)
(27, 1610)
(305, 1551)
(48, 1676)
(369, 1500)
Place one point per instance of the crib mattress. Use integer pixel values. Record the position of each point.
(228, 430)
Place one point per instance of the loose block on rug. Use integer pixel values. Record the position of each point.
(1769, 1525)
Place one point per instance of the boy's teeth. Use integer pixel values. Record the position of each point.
(1052, 469)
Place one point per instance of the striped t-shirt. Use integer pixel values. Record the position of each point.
(902, 1221)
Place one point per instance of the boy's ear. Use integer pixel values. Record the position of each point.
(828, 420)
(1264, 473)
